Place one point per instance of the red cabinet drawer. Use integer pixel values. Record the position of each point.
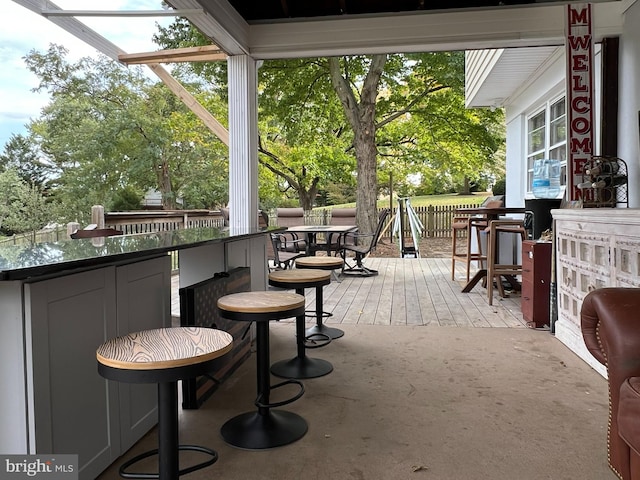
(536, 279)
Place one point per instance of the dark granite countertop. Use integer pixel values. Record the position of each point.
(19, 262)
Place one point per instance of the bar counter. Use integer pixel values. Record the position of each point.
(60, 300)
(19, 262)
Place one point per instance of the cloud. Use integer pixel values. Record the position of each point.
(23, 31)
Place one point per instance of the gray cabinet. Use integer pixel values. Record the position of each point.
(67, 318)
(144, 302)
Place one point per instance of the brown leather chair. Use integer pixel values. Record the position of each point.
(611, 330)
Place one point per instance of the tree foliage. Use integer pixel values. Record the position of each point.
(403, 114)
(109, 127)
(21, 154)
(23, 207)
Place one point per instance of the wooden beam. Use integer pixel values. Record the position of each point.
(610, 96)
(56, 12)
(206, 53)
(202, 113)
(89, 36)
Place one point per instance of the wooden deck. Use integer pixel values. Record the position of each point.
(410, 291)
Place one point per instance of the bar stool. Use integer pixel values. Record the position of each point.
(266, 427)
(322, 263)
(302, 366)
(467, 224)
(496, 270)
(164, 356)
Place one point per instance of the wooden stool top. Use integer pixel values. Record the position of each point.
(328, 263)
(261, 302)
(164, 348)
(304, 275)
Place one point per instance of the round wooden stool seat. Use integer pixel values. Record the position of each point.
(304, 278)
(266, 427)
(164, 356)
(323, 263)
(260, 306)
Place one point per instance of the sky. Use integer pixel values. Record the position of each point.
(22, 31)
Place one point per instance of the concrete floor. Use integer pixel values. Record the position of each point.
(420, 402)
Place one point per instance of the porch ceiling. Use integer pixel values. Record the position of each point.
(278, 10)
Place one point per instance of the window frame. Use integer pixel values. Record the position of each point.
(544, 152)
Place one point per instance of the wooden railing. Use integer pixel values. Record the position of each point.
(436, 221)
(161, 221)
(48, 235)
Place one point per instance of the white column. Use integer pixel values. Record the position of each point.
(629, 101)
(243, 141)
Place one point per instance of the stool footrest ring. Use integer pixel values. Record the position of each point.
(258, 403)
(334, 333)
(322, 341)
(312, 314)
(184, 471)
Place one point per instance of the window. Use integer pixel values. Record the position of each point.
(547, 138)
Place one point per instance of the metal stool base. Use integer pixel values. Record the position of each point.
(331, 332)
(253, 431)
(301, 367)
(191, 448)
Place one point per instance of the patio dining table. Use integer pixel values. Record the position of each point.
(312, 231)
(490, 213)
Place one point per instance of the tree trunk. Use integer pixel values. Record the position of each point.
(466, 190)
(307, 197)
(165, 188)
(367, 188)
(362, 118)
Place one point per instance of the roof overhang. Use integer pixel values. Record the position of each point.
(539, 24)
(493, 76)
(500, 29)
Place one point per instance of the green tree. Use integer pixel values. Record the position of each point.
(23, 207)
(126, 199)
(22, 154)
(405, 112)
(108, 127)
(10, 183)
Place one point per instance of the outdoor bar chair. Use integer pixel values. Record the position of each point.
(351, 244)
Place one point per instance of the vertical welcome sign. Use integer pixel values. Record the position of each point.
(579, 48)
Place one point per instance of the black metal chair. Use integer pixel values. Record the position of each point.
(291, 217)
(351, 243)
(281, 257)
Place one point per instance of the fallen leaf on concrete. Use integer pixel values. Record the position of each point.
(417, 468)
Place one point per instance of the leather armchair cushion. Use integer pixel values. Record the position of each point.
(629, 413)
